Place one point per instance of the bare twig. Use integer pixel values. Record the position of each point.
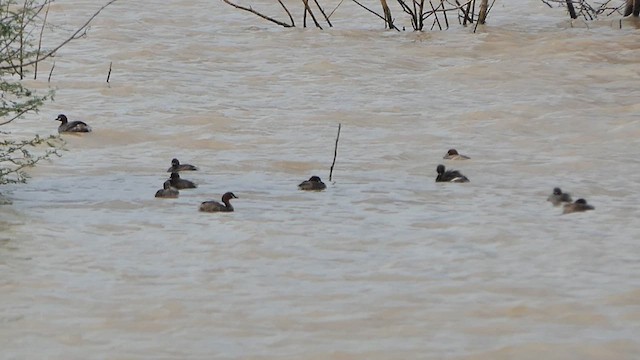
(304, 18)
(44, 22)
(293, 24)
(323, 14)
(249, 9)
(335, 8)
(415, 16)
(335, 153)
(435, 14)
(446, 19)
(404, 6)
(387, 14)
(419, 16)
(417, 10)
(307, 8)
(589, 11)
(76, 35)
(484, 9)
(374, 13)
(466, 16)
(23, 25)
(51, 71)
(572, 10)
(109, 74)
(472, 9)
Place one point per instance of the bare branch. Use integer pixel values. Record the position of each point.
(435, 14)
(288, 13)
(335, 8)
(387, 14)
(323, 14)
(369, 10)
(335, 153)
(109, 73)
(582, 8)
(76, 35)
(51, 71)
(249, 9)
(572, 10)
(44, 22)
(313, 17)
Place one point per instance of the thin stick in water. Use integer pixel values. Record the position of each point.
(51, 71)
(109, 74)
(44, 22)
(335, 153)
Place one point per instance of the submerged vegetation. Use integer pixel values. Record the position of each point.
(591, 10)
(439, 14)
(423, 14)
(22, 25)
